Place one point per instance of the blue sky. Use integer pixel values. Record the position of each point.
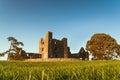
(78, 20)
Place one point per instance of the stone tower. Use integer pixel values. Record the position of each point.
(53, 48)
(44, 47)
(65, 48)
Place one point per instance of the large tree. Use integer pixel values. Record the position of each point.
(101, 43)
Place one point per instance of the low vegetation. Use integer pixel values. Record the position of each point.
(65, 70)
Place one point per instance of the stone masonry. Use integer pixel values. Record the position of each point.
(53, 48)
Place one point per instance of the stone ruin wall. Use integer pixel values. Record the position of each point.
(53, 48)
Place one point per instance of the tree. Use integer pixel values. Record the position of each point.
(83, 54)
(14, 51)
(14, 43)
(100, 43)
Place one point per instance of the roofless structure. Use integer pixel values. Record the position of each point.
(54, 48)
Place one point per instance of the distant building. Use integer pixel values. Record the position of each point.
(53, 48)
(82, 54)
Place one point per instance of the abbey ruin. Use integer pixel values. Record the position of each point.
(54, 48)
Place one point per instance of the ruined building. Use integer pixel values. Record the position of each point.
(82, 54)
(50, 48)
(53, 48)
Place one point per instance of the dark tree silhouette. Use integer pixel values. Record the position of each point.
(14, 51)
(100, 43)
(14, 43)
(83, 54)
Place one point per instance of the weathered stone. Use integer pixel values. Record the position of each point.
(82, 54)
(53, 48)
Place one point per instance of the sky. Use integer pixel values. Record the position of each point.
(77, 20)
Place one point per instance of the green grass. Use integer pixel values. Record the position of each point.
(67, 70)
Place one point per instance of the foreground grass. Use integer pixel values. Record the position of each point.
(70, 70)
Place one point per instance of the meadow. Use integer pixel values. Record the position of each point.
(60, 70)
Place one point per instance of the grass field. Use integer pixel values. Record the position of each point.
(65, 70)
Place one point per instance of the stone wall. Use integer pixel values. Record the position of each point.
(53, 48)
(33, 55)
